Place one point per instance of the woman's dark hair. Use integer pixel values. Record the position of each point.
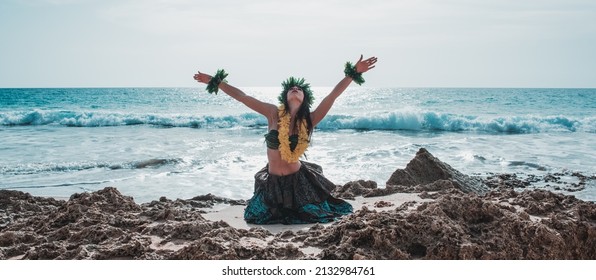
(304, 110)
(303, 113)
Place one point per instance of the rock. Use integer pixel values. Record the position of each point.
(382, 204)
(212, 199)
(501, 224)
(108, 225)
(426, 169)
(354, 188)
(463, 226)
(16, 205)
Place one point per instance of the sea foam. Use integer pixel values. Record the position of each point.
(399, 120)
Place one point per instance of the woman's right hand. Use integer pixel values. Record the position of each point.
(202, 77)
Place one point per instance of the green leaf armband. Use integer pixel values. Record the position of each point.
(213, 85)
(351, 72)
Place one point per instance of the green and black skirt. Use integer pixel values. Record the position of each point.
(299, 198)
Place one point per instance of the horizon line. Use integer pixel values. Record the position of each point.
(379, 87)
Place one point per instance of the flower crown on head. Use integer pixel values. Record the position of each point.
(299, 82)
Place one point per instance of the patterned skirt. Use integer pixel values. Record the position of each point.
(299, 198)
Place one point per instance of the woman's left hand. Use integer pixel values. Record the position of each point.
(365, 65)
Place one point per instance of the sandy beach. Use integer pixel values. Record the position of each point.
(427, 210)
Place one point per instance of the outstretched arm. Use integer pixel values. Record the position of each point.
(266, 109)
(361, 66)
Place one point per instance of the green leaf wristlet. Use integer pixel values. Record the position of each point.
(213, 85)
(350, 71)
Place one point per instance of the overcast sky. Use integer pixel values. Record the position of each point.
(423, 43)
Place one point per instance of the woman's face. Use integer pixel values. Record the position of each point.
(295, 93)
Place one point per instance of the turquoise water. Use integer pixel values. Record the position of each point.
(181, 142)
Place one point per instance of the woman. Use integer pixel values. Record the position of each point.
(288, 190)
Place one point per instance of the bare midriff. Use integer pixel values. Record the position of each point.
(280, 167)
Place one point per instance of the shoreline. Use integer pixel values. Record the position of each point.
(427, 211)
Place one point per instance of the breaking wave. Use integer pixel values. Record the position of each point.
(413, 121)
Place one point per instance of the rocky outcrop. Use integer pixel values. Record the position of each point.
(106, 225)
(466, 226)
(456, 223)
(425, 169)
(424, 173)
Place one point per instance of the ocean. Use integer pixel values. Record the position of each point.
(184, 142)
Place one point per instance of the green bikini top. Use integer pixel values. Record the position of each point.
(272, 140)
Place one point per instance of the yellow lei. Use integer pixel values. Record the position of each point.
(283, 126)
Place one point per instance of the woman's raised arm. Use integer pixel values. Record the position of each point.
(361, 66)
(266, 109)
